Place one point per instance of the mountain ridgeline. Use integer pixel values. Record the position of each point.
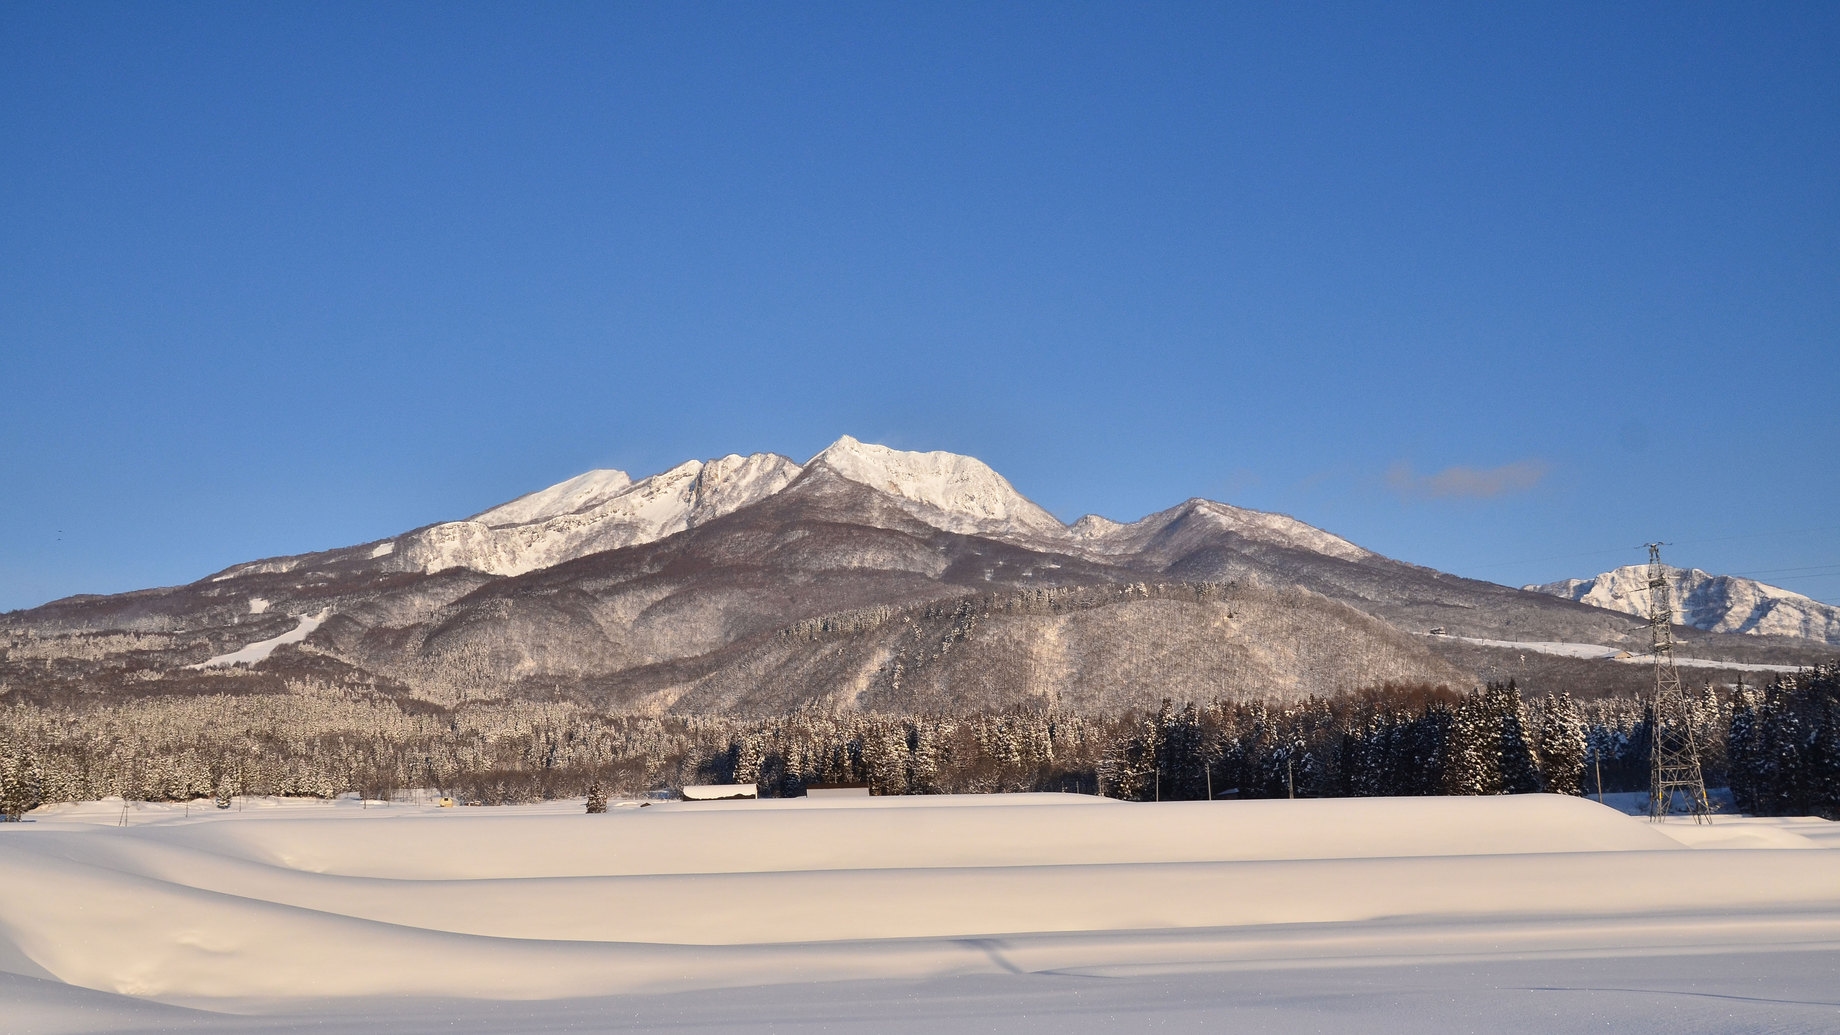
(866, 579)
(1713, 603)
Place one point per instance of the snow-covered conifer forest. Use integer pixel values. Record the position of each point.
(1776, 746)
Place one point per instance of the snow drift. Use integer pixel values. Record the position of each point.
(320, 902)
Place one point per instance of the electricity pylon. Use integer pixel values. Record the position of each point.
(1674, 771)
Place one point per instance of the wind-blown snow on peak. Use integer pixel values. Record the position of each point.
(578, 493)
(949, 491)
(1715, 603)
(588, 514)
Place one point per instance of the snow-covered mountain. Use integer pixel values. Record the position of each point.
(866, 577)
(600, 510)
(1715, 603)
(606, 510)
(1201, 518)
(577, 493)
(956, 493)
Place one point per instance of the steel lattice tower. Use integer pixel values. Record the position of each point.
(1674, 767)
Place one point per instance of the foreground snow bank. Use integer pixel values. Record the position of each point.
(910, 833)
(281, 904)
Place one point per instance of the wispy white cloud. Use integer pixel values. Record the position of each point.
(1474, 483)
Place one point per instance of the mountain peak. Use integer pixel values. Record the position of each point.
(1714, 603)
(1092, 526)
(1278, 529)
(564, 497)
(1208, 517)
(950, 491)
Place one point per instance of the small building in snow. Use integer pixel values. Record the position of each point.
(719, 791)
(836, 790)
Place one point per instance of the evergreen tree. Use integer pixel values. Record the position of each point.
(1520, 774)
(597, 799)
(1135, 771)
(1365, 760)
(1184, 762)
(1562, 746)
(885, 758)
(1742, 754)
(922, 760)
(21, 787)
(747, 758)
(1473, 762)
(1783, 750)
(1824, 743)
(1426, 750)
(1781, 766)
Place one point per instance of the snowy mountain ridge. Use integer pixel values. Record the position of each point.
(565, 497)
(838, 582)
(606, 509)
(1111, 537)
(591, 513)
(1714, 603)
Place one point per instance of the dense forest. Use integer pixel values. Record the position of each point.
(1784, 746)
(1778, 747)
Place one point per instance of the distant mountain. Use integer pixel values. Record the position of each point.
(866, 577)
(607, 510)
(1715, 603)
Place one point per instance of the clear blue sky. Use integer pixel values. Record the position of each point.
(1506, 290)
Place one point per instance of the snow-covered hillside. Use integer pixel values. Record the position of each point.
(600, 510)
(984, 909)
(1715, 603)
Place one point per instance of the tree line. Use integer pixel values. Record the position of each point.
(1777, 747)
(1784, 746)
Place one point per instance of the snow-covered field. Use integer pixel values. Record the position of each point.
(1057, 913)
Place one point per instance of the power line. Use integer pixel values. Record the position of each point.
(1810, 570)
(1558, 557)
(1682, 542)
(1757, 535)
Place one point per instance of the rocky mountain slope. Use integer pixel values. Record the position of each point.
(601, 510)
(866, 577)
(1715, 603)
